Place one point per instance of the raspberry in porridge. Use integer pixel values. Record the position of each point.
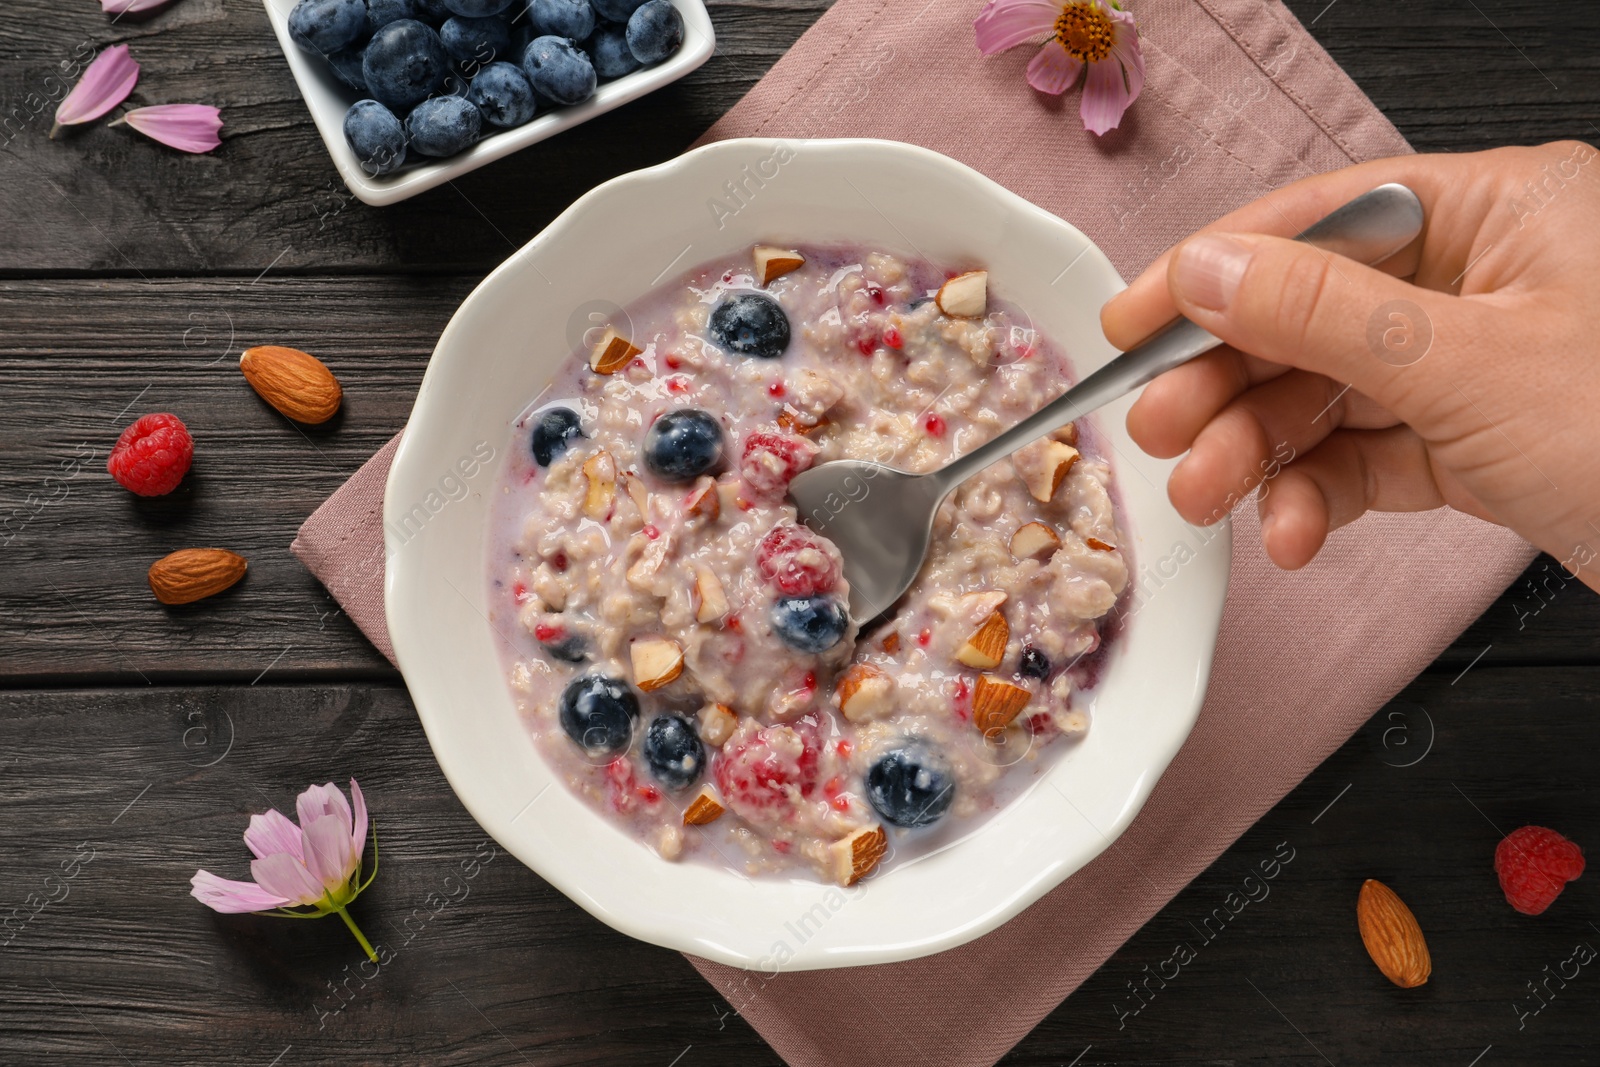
(679, 645)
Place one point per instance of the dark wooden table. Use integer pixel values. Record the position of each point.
(138, 738)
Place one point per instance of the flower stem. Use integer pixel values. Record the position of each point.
(362, 938)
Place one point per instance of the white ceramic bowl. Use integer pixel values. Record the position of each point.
(328, 99)
(509, 336)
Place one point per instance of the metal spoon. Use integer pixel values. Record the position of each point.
(881, 518)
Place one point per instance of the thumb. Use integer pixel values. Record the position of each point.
(1291, 303)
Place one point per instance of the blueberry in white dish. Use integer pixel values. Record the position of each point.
(616, 10)
(432, 12)
(502, 94)
(325, 26)
(811, 624)
(598, 712)
(475, 43)
(346, 66)
(559, 70)
(655, 31)
(382, 12)
(405, 64)
(682, 445)
(572, 19)
(443, 126)
(608, 49)
(376, 136)
(751, 324)
(553, 430)
(911, 785)
(673, 751)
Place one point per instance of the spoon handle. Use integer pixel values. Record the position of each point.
(1369, 229)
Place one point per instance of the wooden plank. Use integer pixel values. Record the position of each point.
(509, 972)
(79, 359)
(106, 200)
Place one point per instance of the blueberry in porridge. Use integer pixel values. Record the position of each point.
(680, 645)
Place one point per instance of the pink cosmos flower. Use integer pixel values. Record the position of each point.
(186, 127)
(1096, 34)
(105, 84)
(316, 864)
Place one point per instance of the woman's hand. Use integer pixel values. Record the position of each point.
(1464, 371)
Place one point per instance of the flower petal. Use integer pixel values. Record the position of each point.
(1053, 70)
(359, 832)
(330, 854)
(230, 897)
(272, 832)
(320, 800)
(1106, 95)
(186, 127)
(1005, 24)
(107, 83)
(282, 874)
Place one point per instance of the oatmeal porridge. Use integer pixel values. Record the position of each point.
(679, 645)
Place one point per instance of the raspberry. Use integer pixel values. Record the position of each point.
(772, 459)
(152, 456)
(758, 772)
(793, 559)
(1534, 864)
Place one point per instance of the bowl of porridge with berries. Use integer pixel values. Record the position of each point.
(651, 688)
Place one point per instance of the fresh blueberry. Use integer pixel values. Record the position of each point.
(616, 10)
(911, 785)
(751, 324)
(551, 433)
(682, 445)
(568, 648)
(433, 12)
(608, 48)
(325, 26)
(502, 93)
(673, 750)
(477, 9)
(382, 12)
(376, 136)
(443, 126)
(1035, 664)
(405, 64)
(809, 623)
(346, 64)
(559, 69)
(572, 19)
(598, 712)
(475, 43)
(655, 31)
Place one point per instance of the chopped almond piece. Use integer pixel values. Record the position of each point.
(864, 692)
(891, 643)
(656, 661)
(854, 856)
(1043, 466)
(705, 807)
(789, 422)
(717, 723)
(987, 645)
(644, 570)
(703, 501)
(612, 352)
(773, 263)
(1067, 435)
(711, 603)
(601, 471)
(995, 702)
(1034, 540)
(637, 493)
(965, 296)
(1099, 545)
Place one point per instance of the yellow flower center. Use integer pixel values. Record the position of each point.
(1085, 31)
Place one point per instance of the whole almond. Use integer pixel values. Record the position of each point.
(191, 574)
(294, 382)
(1392, 936)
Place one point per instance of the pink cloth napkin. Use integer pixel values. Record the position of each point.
(1239, 100)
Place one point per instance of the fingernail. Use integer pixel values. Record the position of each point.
(1208, 270)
